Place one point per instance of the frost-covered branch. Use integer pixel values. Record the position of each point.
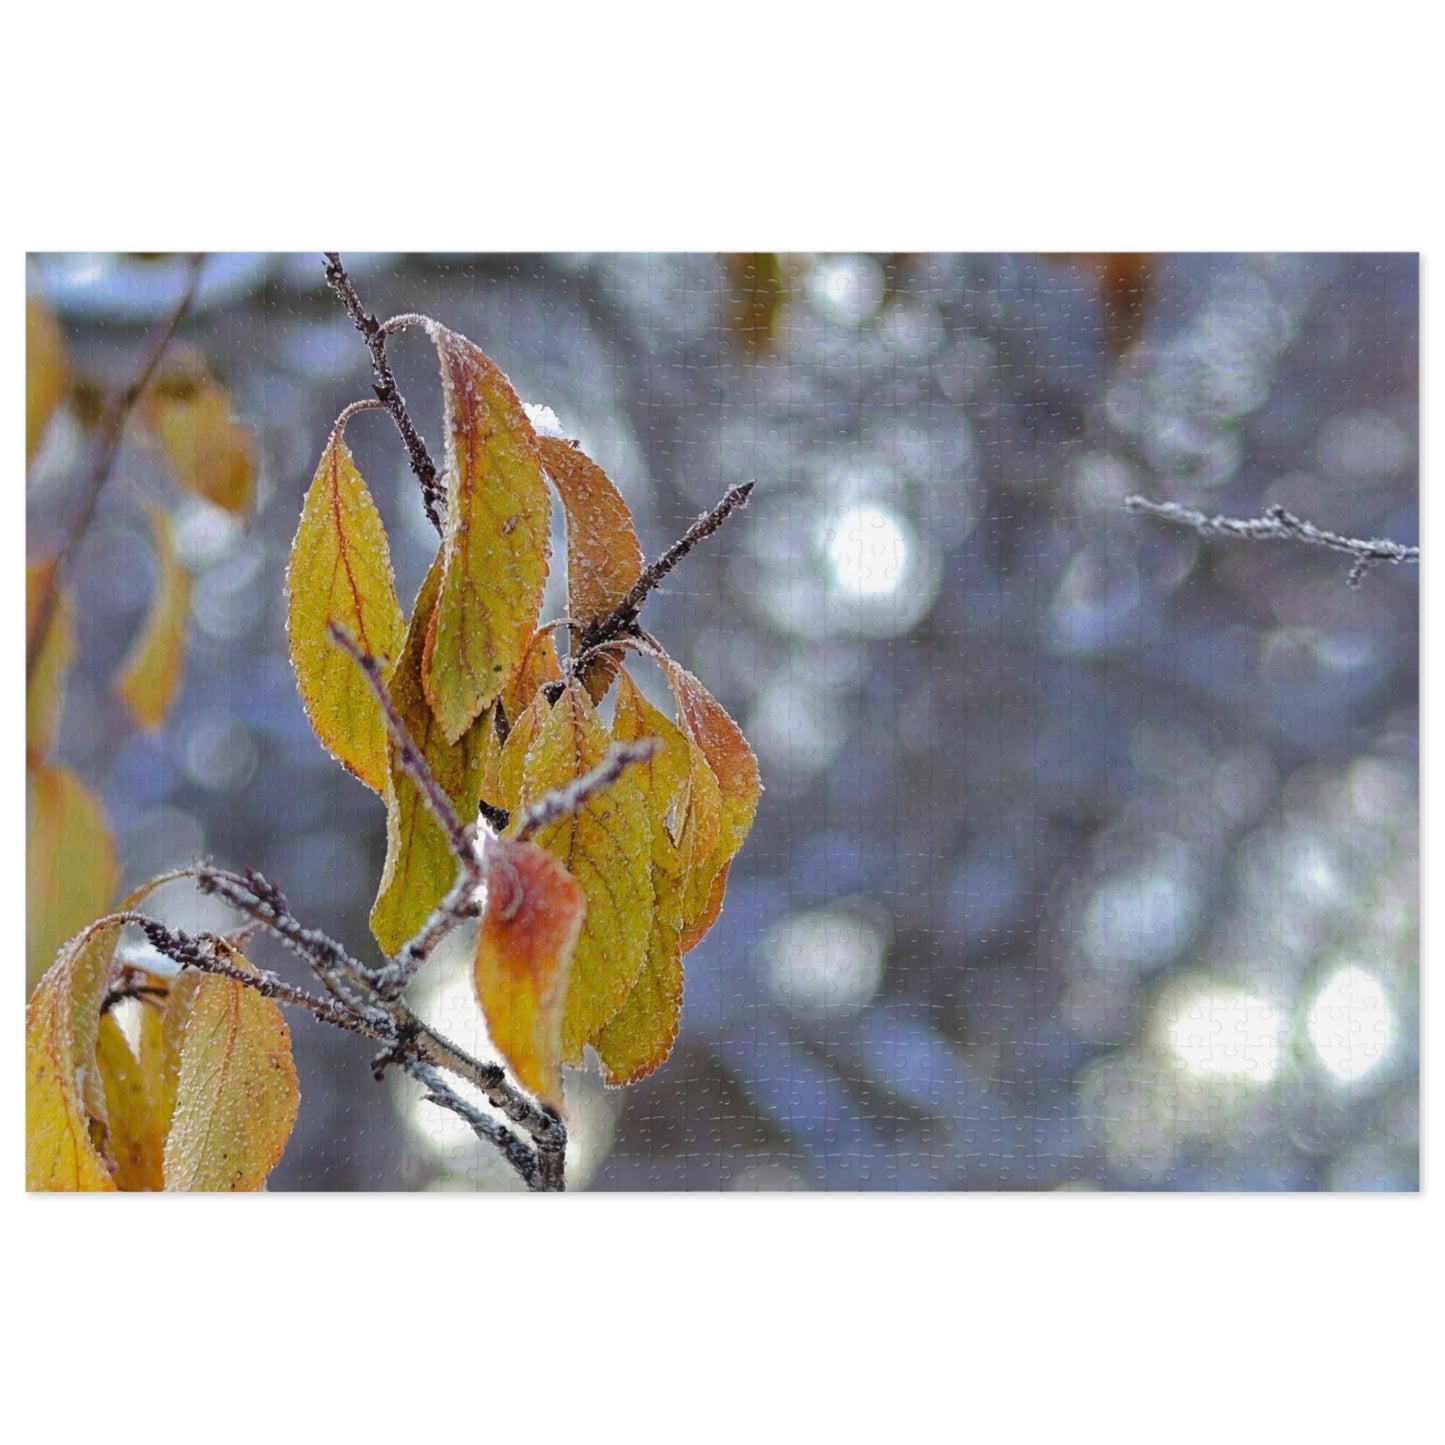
(624, 616)
(384, 384)
(1278, 525)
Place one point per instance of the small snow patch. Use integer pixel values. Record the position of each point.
(544, 420)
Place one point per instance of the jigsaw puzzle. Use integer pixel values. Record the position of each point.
(722, 722)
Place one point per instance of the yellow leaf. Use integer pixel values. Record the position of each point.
(640, 1037)
(420, 867)
(190, 416)
(498, 537)
(641, 1034)
(134, 1137)
(70, 864)
(161, 1041)
(607, 847)
(44, 372)
(66, 1095)
(510, 782)
(236, 1097)
(525, 947)
(538, 667)
(603, 558)
(735, 769)
(64, 1100)
(151, 676)
(340, 574)
(45, 689)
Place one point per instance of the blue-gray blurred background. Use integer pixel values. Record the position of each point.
(1088, 856)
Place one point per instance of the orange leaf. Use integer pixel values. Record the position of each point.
(190, 416)
(236, 1096)
(340, 573)
(607, 848)
(151, 676)
(44, 372)
(420, 867)
(603, 558)
(497, 540)
(71, 870)
(524, 956)
(45, 688)
(735, 768)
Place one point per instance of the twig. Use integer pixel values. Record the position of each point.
(406, 1039)
(438, 1091)
(107, 443)
(434, 795)
(432, 495)
(563, 802)
(207, 953)
(1278, 525)
(624, 616)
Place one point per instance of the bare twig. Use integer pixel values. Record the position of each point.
(624, 616)
(211, 954)
(1278, 525)
(406, 1040)
(563, 802)
(460, 838)
(384, 384)
(107, 443)
(438, 1091)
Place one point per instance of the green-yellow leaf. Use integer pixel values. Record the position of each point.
(340, 574)
(151, 675)
(640, 1037)
(525, 947)
(45, 688)
(70, 864)
(189, 414)
(44, 372)
(236, 1096)
(607, 847)
(497, 540)
(420, 867)
(603, 556)
(64, 1100)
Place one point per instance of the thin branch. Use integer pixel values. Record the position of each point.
(433, 794)
(624, 616)
(563, 802)
(107, 443)
(516, 1153)
(1278, 525)
(432, 493)
(405, 1037)
(207, 953)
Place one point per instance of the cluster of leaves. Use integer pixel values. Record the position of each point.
(598, 857)
(591, 903)
(101, 1114)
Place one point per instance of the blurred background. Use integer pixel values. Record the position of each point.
(1089, 851)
